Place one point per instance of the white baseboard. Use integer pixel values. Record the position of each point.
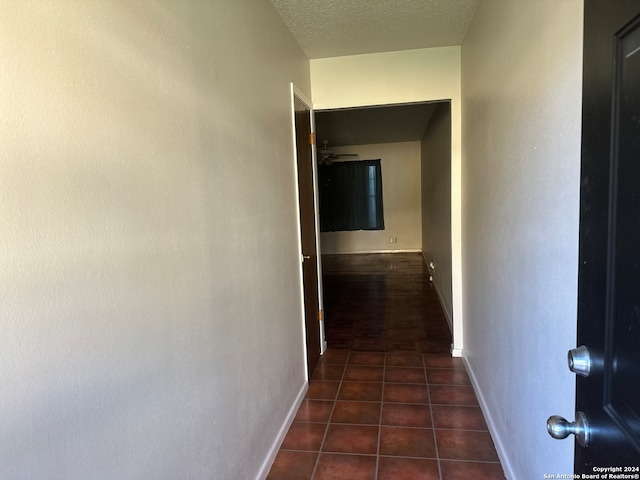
(447, 313)
(502, 455)
(273, 451)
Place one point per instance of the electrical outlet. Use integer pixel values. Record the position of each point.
(393, 239)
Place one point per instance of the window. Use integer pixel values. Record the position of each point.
(351, 196)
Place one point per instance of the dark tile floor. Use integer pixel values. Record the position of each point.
(386, 400)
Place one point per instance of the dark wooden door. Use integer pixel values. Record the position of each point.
(609, 275)
(308, 232)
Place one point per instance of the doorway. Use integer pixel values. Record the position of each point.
(413, 141)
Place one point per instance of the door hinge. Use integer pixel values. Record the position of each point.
(312, 138)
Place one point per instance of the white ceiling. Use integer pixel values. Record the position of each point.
(334, 28)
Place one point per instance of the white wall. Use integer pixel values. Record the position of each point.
(436, 203)
(521, 74)
(401, 201)
(149, 263)
(402, 77)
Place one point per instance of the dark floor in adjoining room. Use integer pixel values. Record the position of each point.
(386, 400)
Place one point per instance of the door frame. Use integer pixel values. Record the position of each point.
(297, 93)
(454, 313)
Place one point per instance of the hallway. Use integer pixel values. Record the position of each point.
(386, 401)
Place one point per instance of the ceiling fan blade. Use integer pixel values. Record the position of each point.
(326, 155)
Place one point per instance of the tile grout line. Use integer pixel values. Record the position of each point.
(384, 374)
(326, 430)
(433, 425)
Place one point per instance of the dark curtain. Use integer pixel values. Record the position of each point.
(351, 196)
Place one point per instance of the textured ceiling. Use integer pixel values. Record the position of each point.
(334, 28)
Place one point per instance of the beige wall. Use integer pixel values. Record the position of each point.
(149, 267)
(436, 202)
(401, 199)
(401, 77)
(521, 73)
